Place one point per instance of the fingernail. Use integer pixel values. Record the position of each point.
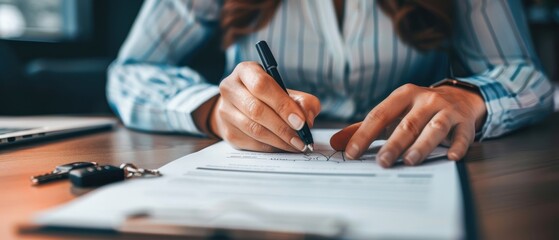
(295, 121)
(412, 158)
(352, 151)
(385, 158)
(297, 143)
(453, 156)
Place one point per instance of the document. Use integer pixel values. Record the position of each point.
(319, 193)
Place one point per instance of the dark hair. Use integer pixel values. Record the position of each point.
(422, 24)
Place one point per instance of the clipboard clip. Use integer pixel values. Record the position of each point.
(234, 220)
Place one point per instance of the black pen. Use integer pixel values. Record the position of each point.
(271, 67)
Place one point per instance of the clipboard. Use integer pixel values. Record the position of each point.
(142, 224)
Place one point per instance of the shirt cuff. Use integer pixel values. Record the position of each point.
(180, 108)
(492, 92)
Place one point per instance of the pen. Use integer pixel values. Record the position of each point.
(271, 67)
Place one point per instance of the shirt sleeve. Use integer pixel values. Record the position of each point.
(493, 44)
(146, 88)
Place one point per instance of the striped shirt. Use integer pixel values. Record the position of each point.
(350, 71)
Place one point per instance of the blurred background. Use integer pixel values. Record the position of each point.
(54, 53)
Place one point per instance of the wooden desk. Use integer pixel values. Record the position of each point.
(514, 180)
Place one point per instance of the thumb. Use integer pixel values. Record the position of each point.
(340, 139)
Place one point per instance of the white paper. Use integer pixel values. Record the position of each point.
(229, 186)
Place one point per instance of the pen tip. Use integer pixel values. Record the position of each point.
(310, 147)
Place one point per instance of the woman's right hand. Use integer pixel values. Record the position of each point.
(254, 113)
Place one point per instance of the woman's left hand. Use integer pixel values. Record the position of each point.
(428, 115)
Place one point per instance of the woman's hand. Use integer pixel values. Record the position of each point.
(429, 115)
(254, 113)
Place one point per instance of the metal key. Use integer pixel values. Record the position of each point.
(60, 172)
(102, 175)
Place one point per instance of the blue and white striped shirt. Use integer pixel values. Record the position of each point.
(350, 71)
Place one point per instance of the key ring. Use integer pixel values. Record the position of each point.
(132, 170)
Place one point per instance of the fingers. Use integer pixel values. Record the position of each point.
(258, 119)
(251, 91)
(376, 121)
(240, 140)
(244, 133)
(434, 133)
(264, 88)
(308, 102)
(435, 112)
(404, 135)
(464, 135)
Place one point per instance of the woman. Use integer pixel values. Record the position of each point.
(360, 60)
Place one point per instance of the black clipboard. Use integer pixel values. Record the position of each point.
(469, 210)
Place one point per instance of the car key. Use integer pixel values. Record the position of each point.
(102, 175)
(60, 172)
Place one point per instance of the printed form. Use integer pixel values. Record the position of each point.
(317, 193)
